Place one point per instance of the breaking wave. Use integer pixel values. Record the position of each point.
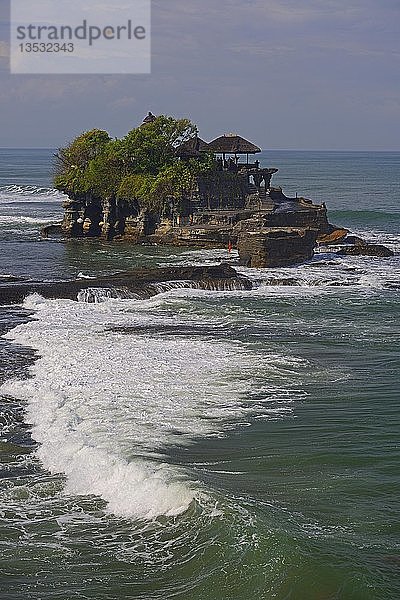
(94, 295)
(28, 193)
(105, 405)
(23, 219)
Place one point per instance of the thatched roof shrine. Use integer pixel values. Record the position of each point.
(150, 118)
(231, 143)
(193, 148)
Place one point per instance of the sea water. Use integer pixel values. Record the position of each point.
(203, 444)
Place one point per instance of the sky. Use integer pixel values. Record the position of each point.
(286, 74)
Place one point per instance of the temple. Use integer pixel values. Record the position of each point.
(228, 206)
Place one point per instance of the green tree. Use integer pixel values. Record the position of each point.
(81, 150)
(73, 160)
(152, 147)
(142, 167)
(104, 173)
(137, 187)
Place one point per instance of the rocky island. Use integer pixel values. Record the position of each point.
(163, 184)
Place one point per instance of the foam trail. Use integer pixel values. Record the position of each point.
(98, 294)
(29, 193)
(15, 219)
(103, 404)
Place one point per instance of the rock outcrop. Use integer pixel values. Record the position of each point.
(138, 283)
(276, 247)
(366, 249)
(232, 205)
(337, 234)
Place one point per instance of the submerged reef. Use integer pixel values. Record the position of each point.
(137, 284)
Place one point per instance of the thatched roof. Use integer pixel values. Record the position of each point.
(192, 148)
(231, 143)
(150, 118)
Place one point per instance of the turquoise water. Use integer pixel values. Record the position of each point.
(204, 445)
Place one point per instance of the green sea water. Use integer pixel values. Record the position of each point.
(203, 445)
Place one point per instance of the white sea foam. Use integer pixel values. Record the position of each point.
(29, 193)
(25, 219)
(84, 276)
(105, 404)
(377, 236)
(325, 273)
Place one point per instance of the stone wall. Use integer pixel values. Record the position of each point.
(221, 190)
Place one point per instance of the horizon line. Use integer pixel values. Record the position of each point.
(263, 150)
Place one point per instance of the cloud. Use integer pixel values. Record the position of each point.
(282, 72)
(33, 90)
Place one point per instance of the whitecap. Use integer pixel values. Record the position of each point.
(106, 405)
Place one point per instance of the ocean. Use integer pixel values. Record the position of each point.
(201, 444)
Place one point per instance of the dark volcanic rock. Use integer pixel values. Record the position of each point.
(276, 247)
(141, 283)
(366, 250)
(297, 213)
(354, 239)
(48, 230)
(279, 281)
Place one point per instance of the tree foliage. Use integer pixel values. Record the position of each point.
(138, 187)
(150, 148)
(82, 150)
(142, 166)
(103, 173)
